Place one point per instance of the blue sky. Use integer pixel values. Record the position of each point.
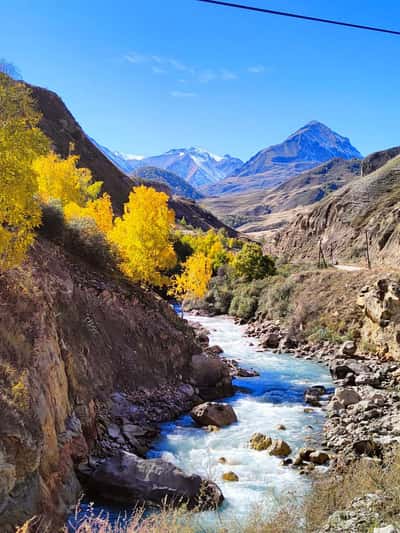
(143, 76)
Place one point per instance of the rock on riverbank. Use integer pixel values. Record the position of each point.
(128, 479)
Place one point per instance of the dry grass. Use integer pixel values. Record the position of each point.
(166, 521)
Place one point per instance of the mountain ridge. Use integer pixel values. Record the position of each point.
(306, 148)
(195, 165)
(258, 211)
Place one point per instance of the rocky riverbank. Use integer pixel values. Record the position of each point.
(89, 366)
(363, 413)
(117, 469)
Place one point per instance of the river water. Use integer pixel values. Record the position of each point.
(263, 403)
(273, 398)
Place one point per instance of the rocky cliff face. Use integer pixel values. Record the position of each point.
(88, 365)
(376, 160)
(367, 210)
(380, 331)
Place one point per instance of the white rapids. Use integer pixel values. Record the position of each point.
(264, 402)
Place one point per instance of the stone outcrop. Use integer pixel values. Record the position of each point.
(127, 479)
(213, 414)
(381, 326)
(376, 160)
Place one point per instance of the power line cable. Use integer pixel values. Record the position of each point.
(302, 17)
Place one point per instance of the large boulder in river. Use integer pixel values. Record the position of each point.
(128, 479)
(280, 448)
(313, 394)
(319, 457)
(213, 414)
(260, 442)
(211, 375)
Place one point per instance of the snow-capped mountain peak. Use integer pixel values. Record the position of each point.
(196, 165)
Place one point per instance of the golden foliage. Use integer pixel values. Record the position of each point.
(100, 210)
(195, 277)
(61, 179)
(142, 236)
(21, 142)
(215, 245)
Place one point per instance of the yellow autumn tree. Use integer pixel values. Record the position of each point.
(21, 141)
(61, 179)
(194, 280)
(215, 245)
(142, 236)
(100, 210)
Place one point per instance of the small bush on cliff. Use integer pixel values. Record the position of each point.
(80, 236)
(53, 221)
(83, 238)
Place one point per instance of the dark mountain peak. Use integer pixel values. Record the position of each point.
(308, 147)
(322, 133)
(175, 183)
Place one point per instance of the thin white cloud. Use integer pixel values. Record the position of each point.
(256, 69)
(182, 94)
(204, 76)
(158, 70)
(135, 58)
(227, 75)
(162, 65)
(177, 65)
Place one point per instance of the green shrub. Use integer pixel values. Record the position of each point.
(251, 264)
(275, 299)
(245, 297)
(220, 294)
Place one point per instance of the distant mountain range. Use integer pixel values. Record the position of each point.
(307, 148)
(124, 162)
(214, 175)
(197, 166)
